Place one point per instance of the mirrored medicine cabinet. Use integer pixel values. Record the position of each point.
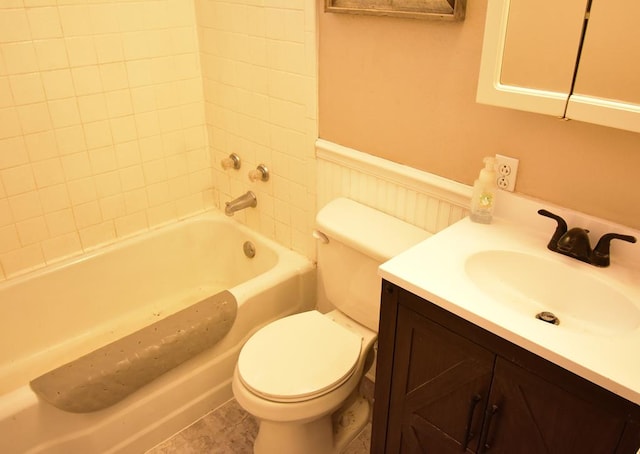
(574, 59)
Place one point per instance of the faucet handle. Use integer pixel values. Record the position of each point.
(233, 161)
(261, 173)
(601, 254)
(549, 214)
(561, 229)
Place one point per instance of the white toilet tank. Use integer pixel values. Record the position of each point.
(360, 239)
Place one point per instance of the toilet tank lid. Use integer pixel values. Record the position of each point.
(377, 234)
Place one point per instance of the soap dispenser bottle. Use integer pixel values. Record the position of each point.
(484, 191)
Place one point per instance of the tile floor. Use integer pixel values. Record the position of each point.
(230, 430)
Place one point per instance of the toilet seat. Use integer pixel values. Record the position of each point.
(298, 358)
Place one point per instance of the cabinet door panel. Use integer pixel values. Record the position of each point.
(606, 90)
(541, 44)
(441, 382)
(537, 417)
(630, 442)
(610, 60)
(529, 54)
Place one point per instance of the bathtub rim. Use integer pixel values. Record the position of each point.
(124, 241)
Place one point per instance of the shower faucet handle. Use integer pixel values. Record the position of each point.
(233, 161)
(261, 173)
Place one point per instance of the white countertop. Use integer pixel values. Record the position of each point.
(435, 270)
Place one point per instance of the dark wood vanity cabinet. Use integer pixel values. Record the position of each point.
(444, 385)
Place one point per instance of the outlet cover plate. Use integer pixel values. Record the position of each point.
(507, 170)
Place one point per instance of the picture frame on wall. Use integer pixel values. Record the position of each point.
(453, 10)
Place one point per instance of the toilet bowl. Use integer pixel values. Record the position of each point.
(299, 375)
(295, 373)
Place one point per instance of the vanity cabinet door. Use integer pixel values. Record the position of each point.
(445, 385)
(630, 443)
(529, 415)
(439, 388)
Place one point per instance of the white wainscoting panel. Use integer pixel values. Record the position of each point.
(419, 198)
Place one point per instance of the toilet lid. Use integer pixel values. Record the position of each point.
(298, 357)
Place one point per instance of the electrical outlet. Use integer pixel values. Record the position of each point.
(507, 172)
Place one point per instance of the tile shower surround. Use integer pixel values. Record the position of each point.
(114, 116)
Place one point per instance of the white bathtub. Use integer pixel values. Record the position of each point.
(59, 313)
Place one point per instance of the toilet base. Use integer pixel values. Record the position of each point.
(349, 421)
(314, 437)
(329, 434)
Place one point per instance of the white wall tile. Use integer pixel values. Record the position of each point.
(48, 172)
(60, 247)
(86, 80)
(41, 145)
(87, 214)
(9, 239)
(32, 230)
(82, 191)
(63, 113)
(58, 84)
(6, 218)
(14, 25)
(81, 51)
(103, 17)
(25, 206)
(9, 123)
(19, 57)
(97, 235)
(18, 180)
(44, 23)
(6, 97)
(19, 260)
(109, 48)
(131, 223)
(75, 20)
(51, 54)
(37, 2)
(13, 152)
(70, 140)
(54, 198)
(27, 88)
(114, 76)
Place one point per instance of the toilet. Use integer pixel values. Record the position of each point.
(299, 375)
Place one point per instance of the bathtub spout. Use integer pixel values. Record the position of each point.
(244, 201)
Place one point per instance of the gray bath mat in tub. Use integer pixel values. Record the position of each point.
(107, 375)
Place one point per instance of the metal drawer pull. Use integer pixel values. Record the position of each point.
(468, 434)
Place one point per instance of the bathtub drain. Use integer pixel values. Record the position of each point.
(249, 249)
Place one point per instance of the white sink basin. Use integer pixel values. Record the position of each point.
(530, 284)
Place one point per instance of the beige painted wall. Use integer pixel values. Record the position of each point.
(404, 90)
